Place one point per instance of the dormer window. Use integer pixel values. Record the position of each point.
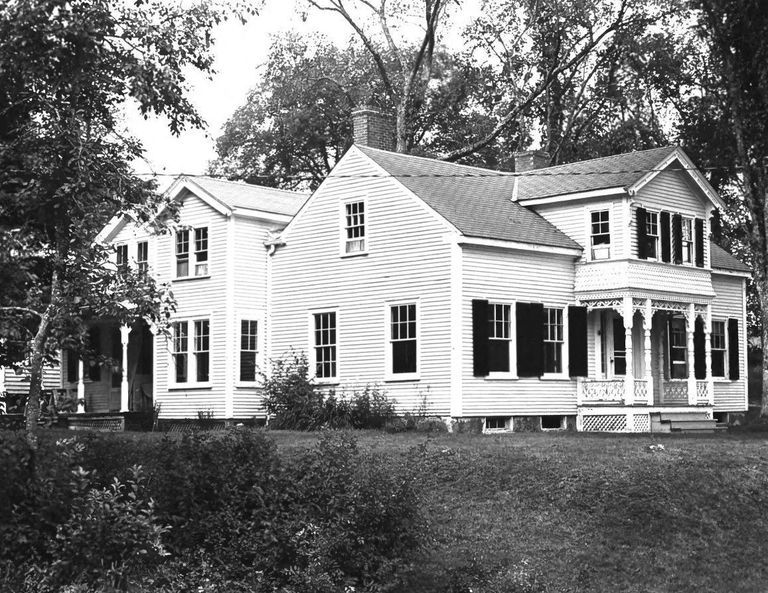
(199, 257)
(600, 234)
(354, 228)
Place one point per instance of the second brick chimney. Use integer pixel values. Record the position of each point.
(528, 160)
(373, 128)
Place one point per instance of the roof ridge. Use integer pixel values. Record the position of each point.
(606, 157)
(436, 160)
(247, 184)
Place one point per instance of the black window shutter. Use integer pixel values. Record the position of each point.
(677, 238)
(699, 242)
(577, 341)
(642, 235)
(699, 359)
(733, 349)
(530, 343)
(715, 226)
(665, 241)
(480, 338)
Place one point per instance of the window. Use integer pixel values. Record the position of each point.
(718, 349)
(553, 340)
(325, 345)
(403, 341)
(687, 240)
(180, 351)
(202, 350)
(553, 422)
(678, 349)
(191, 361)
(200, 253)
(354, 227)
(248, 348)
(600, 234)
(121, 258)
(496, 423)
(499, 338)
(142, 258)
(652, 234)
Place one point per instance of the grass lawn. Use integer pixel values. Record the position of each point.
(577, 512)
(567, 512)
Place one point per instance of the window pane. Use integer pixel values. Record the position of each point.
(180, 362)
(498, 356)
(404, 356)
(718, 363)
(202, 359)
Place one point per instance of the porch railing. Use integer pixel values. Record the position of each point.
(601, 391)
(702, 393)
(641, 391)
(675, 392)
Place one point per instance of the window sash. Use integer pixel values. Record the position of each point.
(553, 340)
(325, 345)
(403, 340)
(121, 258)
(687, 240)
(719, 349)
(142, 257)
(601, 229)
(499, 337)
(182, 253)
(180, 351)
(652, 234)
(248, 349)
(202, 350)
(354, 227)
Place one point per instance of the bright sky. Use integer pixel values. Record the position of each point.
(239, 50)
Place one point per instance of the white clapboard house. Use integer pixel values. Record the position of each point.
(584, 295)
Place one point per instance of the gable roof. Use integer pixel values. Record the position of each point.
(722, 260)
(237, 194)
(478, 202)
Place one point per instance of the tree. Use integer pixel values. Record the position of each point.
(67, 69)
(736, 32)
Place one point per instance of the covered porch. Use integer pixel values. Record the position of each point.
(652, 352)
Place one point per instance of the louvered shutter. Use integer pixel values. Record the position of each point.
(642, 234)
(677, 238)
(699, 359)
(480, 338)
(665, 240)
(577, 341)
(716, 226)
(530, 343)
(699, 242)
(733, 349)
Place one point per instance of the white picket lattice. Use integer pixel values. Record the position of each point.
(607, 391)
(641, 391)
(605, 423)
(702, 392)
(675, 392)
(642, 422)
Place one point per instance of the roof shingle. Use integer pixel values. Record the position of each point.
(236, 194)
(722, 260)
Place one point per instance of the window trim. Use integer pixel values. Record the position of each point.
(258, 317)
(724, 349)
(191, 382)
(592, 235)
(192, 252)
(563, 373)
(343, 227)
(389, 376)
(512, 373)
(657, 249)
(121, 262)
(311, 345)
(142, 265)
(691, 242)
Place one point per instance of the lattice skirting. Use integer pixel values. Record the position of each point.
(616, 422)
(103, 424)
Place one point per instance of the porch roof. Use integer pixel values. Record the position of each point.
(722, 260)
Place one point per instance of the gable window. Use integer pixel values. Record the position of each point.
(142, 258)
(553, 340)
(121, 258)
(718, 349)
(192, 263)
(652, 234)
(180, 351)
(499, 338)
(191, 357)
(686, 239)
(678, 349)
(248, 349)
(354, 227)
(325, 360)
(600, 234)
(403, 339)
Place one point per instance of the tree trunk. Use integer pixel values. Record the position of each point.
(762, 292)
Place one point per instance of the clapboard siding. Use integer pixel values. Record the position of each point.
(18, 382)
(574, 220)
(196, 298)
(729, 303)
(674, 192)
(408, 260)
(514, 276)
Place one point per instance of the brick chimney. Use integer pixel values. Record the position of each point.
(373, 128)
(528, 160)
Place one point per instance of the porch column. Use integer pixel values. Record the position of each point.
(80, 387)
(629, 380)
(124, 331)
(708, 355)
(647, 324)
(690, 326)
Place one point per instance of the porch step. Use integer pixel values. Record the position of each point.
(682, 416)
(684, 422)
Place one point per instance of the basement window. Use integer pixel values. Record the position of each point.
(552, 422)
(496, 423)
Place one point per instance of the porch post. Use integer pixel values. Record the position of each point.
(708, 355)
(647, 324)
(80, 387)
(629, 380)
(690, 326)
(124, 331)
